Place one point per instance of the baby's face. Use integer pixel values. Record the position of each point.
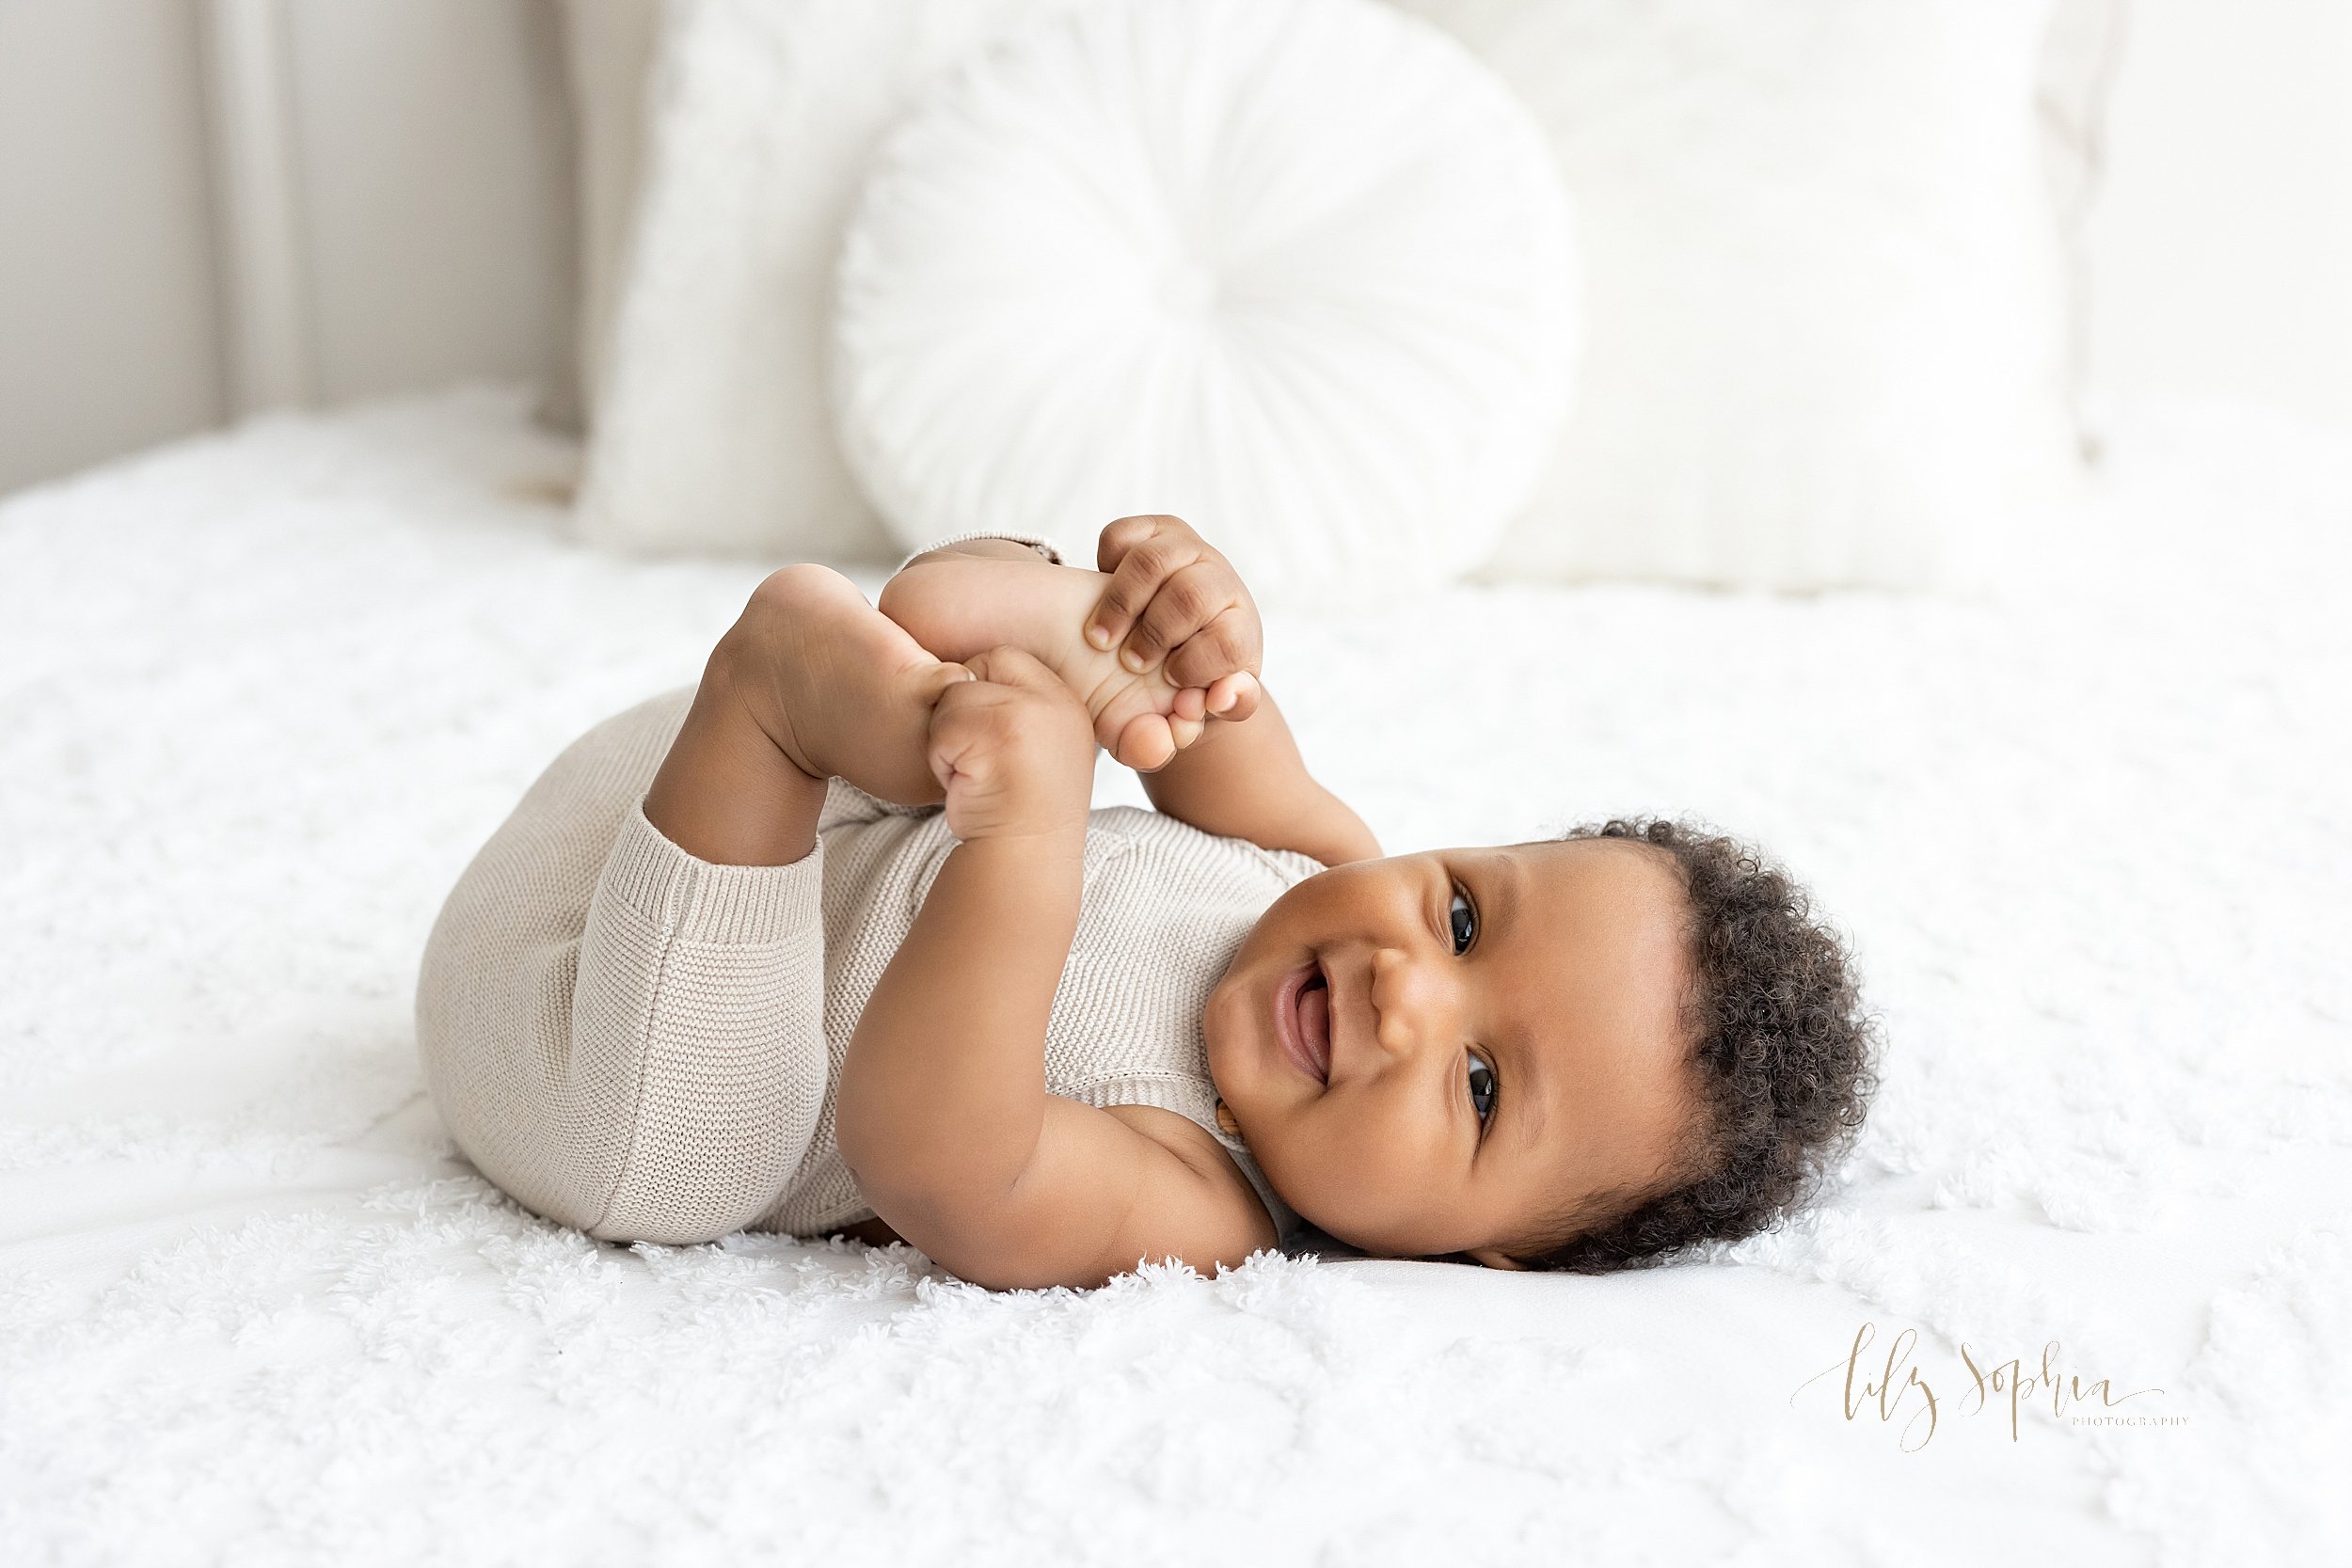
(1437, 1053)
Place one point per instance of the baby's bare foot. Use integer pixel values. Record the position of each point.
(839, 687)
(958, 605)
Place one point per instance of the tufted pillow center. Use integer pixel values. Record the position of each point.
(1188, 290)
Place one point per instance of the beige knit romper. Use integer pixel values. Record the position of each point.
(646, 1045)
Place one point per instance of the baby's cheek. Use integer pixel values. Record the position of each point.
(1371, 1168)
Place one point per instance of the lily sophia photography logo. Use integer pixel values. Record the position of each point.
(1895, 1388)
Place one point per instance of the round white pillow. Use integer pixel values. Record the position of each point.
(1297, 270)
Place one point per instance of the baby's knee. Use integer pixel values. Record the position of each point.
(688, 1209)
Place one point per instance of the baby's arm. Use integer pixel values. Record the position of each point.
(942, 1115)
(1246, 779)
(1172, 603)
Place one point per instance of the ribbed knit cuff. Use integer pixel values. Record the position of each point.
(699, 901)
(1191, 1098)
(1043, 546)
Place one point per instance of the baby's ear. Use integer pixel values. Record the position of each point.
(1494, 1258)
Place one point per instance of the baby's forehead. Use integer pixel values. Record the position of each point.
(1574, 864)
(1588, 908)
(1588, 977)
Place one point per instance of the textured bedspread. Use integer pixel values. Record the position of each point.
(262, 696)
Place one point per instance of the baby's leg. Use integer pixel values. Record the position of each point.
(811, 682)
(626, 1038)
(642, 1056)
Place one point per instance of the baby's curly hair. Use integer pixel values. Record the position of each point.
(1784, 1056)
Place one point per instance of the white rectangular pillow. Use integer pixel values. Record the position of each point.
(1823, 301)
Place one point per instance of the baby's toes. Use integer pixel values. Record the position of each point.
(1146, 743)
(1114, 708)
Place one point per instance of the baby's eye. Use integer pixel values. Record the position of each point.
(1482, 1088)
(1464, 920)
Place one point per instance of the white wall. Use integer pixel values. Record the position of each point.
(434, 178)
(427, 200)
(2221, 245)
(108, 333)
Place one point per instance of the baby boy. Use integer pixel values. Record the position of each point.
(833, 944)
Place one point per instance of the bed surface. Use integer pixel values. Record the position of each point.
(263, 695)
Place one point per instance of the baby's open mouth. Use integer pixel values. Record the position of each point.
(1302, 1011)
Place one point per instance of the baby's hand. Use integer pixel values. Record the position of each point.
(1014, 748)
(959, 600)
(1181, 607)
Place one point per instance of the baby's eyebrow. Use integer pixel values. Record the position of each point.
(1523, 1089)
(1506, 889)
(1529, 1087)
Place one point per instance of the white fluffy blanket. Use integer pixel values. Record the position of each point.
(261, 697)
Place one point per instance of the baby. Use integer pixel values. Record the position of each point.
(731, 964)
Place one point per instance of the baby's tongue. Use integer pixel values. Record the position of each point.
(1315, 1021)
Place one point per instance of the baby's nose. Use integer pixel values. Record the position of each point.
(1410, 1001)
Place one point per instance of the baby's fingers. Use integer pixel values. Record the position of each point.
(1124, 534)
(1007, 665)
(1228, 643)
(1234, 697)
(1186, 605)
(1141, 554)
